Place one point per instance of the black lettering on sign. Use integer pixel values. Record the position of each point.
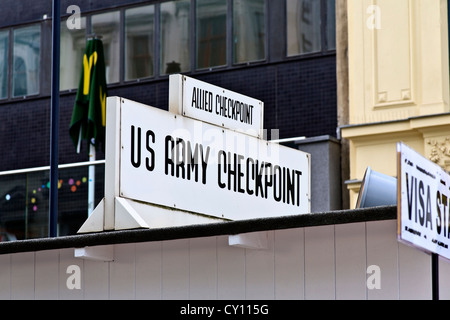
(222, 162)
(419, 202)
(182, 159)
(192, 162)
(443, 214)
(234, 109)
(136, 148)
(180, 151)
(202, 99)
(261, 179)
(169, 163)
(135, 145)
(150, 161)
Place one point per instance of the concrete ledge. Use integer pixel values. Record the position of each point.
(202, 230)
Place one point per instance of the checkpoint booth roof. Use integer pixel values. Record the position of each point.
(203, 161)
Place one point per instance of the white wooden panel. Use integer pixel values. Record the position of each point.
(289, 251)
(66, 259)
(230, 270)
(22, 276)
(414, 273)
(203, 268)
(5, 276)
(96, 279)
(324, 262)
(319, 263)
(148, 270)
(351, 261)
(259, 272)
(444, 279)
(123, 272)
(175, 269)
(46, 275)
(382, 251)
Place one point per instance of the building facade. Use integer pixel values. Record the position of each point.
(398, 84)
(391, 62)
(280, 52)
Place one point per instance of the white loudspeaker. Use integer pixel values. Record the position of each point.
(377, 189)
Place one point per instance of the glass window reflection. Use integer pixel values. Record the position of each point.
(4, 58)
(26, 61)
(249, 30)
(303, 26)
(73, 45)
(331, 24)
(107, 25)
(175, 26)
(139, 42)
(24, 202)
(211, 33)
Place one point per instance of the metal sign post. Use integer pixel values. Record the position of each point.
(53, 198)
(435, 275)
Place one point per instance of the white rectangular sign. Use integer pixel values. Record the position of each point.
(177, 162)
(424, 194)
(203, 101)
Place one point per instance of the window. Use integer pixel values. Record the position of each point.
(331, 24)
(26, 61)
(310, 26)
(139, 42)
(249, 30)
(73, 45)
(211, 33)
(107, 25)
(171, 37)
(24, 201)
(166, 37)
(303, 21)
(175, 40)
(4, 58)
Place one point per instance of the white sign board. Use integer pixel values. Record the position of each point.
(203, 101)
(177, 162)
(424, 194)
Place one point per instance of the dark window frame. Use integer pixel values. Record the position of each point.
(10, 68)
(323, 35)
(275, 46)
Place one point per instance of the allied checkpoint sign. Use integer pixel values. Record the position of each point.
(174, 161)
(423, 198)
(215, 105)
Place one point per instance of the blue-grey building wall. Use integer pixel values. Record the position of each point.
(299, 92)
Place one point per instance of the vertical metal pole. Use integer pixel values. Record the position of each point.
(54, 124)
(91, 182)
(435, 275)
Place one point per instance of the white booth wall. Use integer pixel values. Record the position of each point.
(320, 262)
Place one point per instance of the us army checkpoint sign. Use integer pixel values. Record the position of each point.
(163, 169)
(177, 162)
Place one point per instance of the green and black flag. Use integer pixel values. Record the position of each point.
(89, 112)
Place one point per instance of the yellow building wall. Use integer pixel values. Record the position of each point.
(398, 65)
